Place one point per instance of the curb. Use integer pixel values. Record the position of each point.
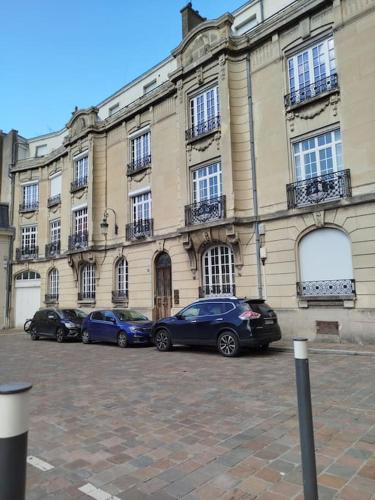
(319, 350)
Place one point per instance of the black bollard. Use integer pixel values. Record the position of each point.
(14, 416)
(306, 429)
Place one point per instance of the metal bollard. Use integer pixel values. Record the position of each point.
(14, 415)
(306, 429)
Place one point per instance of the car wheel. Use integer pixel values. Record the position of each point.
(163, 340)
(27, 325)
(86, 337)
(60, 335)
(34, 333)
(228, 344)
(122, 340)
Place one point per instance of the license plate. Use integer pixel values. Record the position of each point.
(268, 321)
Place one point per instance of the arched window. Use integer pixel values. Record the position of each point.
(88, 282)
(122, 278)
(325, 259)
(218, 271)
(53, 285)
(28, 275)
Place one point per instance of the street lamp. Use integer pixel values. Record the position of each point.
(104, 224)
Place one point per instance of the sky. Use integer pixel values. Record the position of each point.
(58, 54)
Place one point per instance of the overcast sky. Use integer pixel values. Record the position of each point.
(58, 54)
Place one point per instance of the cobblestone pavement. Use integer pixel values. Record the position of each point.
(138, 424)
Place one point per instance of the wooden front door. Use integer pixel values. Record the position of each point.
(163, 288)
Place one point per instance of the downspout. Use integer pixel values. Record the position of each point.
(261, 11)
(254, 175)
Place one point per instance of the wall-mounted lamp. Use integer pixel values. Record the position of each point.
(104, 224)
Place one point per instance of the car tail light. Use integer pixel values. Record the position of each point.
(250, 315)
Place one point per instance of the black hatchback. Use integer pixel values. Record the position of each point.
(228, 323)
(60, 324)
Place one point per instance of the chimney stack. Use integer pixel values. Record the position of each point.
(190, 19)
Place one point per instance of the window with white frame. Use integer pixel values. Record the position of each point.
(53, 283)
(141, 207)
(30, 195)
(81, 166)
(218, 271)
(141, 149)
(122, 277)
(88, 281)
(29, 235)
(41, 150)
(207, 182)
(205, 111)
(149, 86)
(113, 109)
(55, 185)
(55, 230)
(319, 155)
(80, 220)
(311, 71)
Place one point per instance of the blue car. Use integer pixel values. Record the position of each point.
(120, 326)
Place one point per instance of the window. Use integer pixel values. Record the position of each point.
(207, 183)
(246, 25)
(53, 283)
(28, 275)
(204, 112)
(218, 271)
(54, 229)
(311, 71)
(141, 207)
(30, 196)
(141, 149)
(319, 155)
(29, 237)
(113, 109)
(81, 168)
(149, 86)
(88, 282)
(80, 221)
(97, 316)
(41, 150)
(122, 278)
(55, 185)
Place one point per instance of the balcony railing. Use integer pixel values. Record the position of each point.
(313, 90)
(319, 189)
(54, 200)
(139, 230)
(4, 215)
(53, 249)
(340, 288)
(77, 184)
(86, 296)
(204, 211)
(50, 298)
(119, 296)
(29, 252)
(78, 241)
(203, 128)
(30, 206)
(217, 290)
(138, 165)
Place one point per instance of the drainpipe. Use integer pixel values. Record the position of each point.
(261, 11)
(254, 175)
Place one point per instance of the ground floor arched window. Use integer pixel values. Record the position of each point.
(53, 284)
(121, 277)
(88, 282)
(218, 271)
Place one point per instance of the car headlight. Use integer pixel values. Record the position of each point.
(133, 329)
(69, 324)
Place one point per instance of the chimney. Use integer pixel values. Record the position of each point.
(190, 19)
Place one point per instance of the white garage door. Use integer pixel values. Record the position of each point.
(27, 296)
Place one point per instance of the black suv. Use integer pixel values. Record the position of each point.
(57, 323)
(228, 323)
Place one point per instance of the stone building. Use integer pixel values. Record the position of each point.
(242, 164)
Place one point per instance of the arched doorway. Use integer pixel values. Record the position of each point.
(163, 286)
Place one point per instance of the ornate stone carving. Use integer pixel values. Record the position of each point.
(204, 144)
(188, 245)
(234, 241)
(319, 218)
(332, 101)
(80, 121)
(199, 75)
(222, 66)
(179, 91)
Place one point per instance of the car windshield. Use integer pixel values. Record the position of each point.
(129, 315)
(73, 314)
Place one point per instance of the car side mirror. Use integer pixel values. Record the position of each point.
(113, 320)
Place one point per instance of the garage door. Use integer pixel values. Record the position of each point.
(27, 296)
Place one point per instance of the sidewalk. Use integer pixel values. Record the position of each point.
(286, 345)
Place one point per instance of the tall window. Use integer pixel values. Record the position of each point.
(53, 284)
(80, 221)
(318, 155)
(29, 236)
(88, 282)
(55, 186)
(141, 207)
(205, 111)
(81, 168)
(218, 271)
(141, 149)
(122, 278)
(207, 183)
(312, 66)
(55, 230)
(31, 196)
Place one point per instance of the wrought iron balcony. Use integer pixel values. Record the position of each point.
(140, 229)
(138, 165)
(205, 211)
(53, 249)
(86, 296)
(319, 189)
(313, 90)
(78, 241)
(51, 298)
(217, 290)
(54, 200)
(27, 252)
(337, 288)
(203, 128)
(77, 184)
(29, 206)
(119, 296)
